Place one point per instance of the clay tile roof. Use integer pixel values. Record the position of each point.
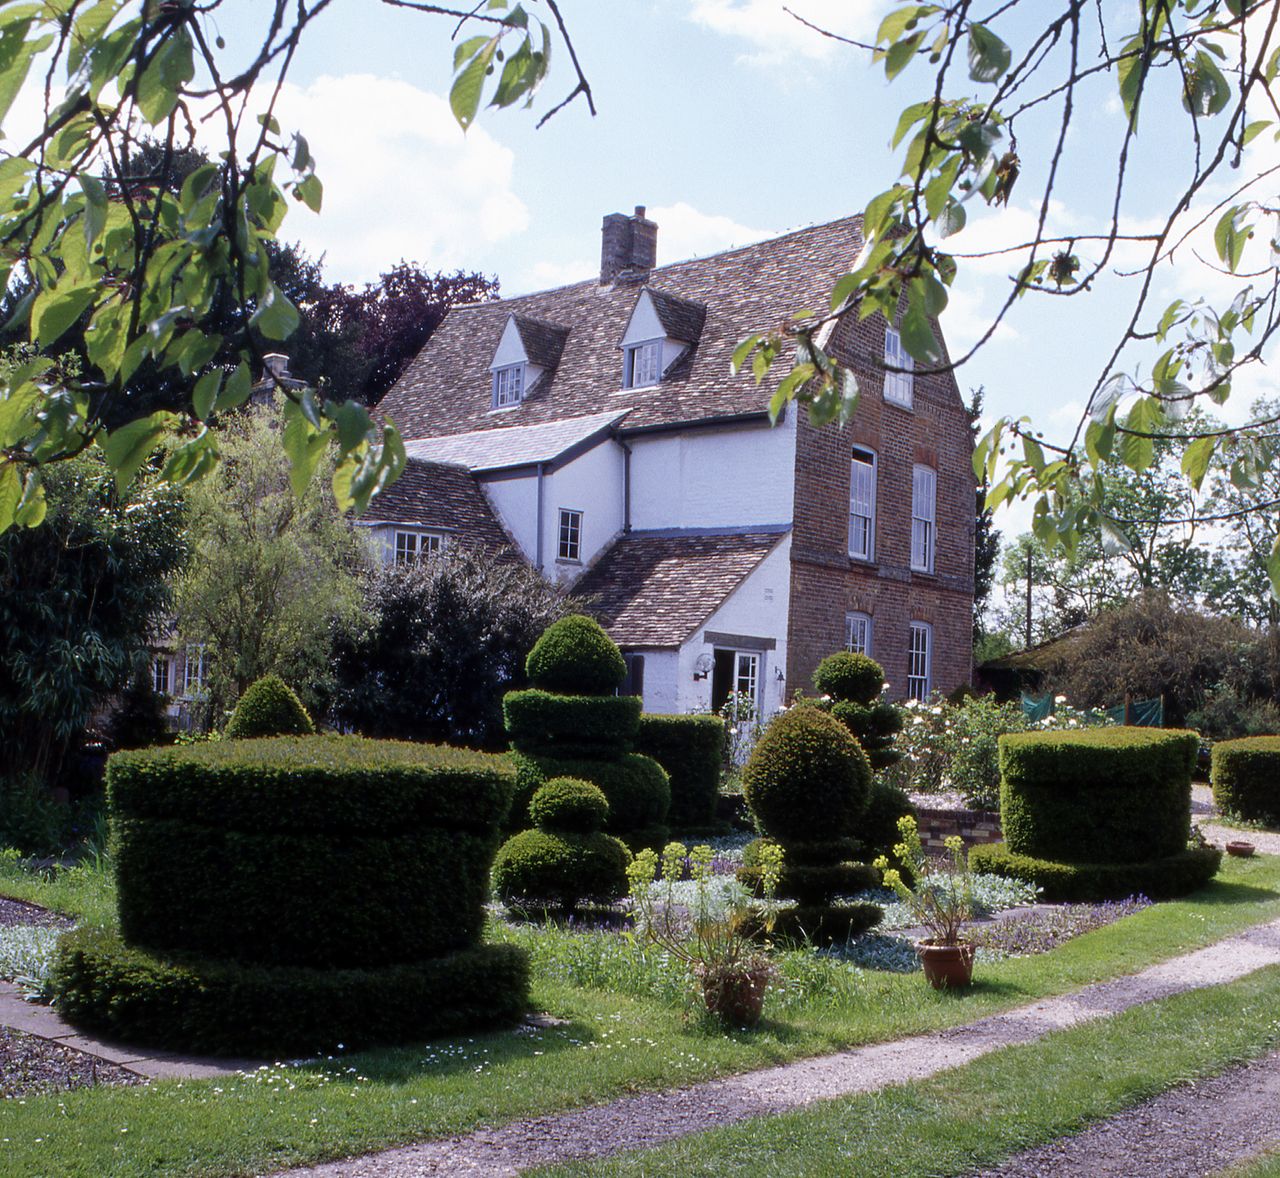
(680, 318)
(499, 449)
(657, 588)
(447, 388)
(543, 342)
(433, 495)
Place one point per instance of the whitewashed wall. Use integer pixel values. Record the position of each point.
(758, 609)
(714, 478)
(661, 682)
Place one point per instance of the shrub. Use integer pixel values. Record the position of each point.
(1161, 879)
(848, 676)
(269, 708)
(569, 804)
(690, 749)
(879, 826)
(1246, 777)
(560, 869)
(807, 778)
(542, 723)
(187, 1003)
(576, 656)
(1104, 795)
(318, 851)
(636, 787)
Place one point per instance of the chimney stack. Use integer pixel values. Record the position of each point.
(628, 246)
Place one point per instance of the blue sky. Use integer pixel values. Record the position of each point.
(726, 118)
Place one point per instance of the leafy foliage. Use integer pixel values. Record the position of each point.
(1246, 777)
(690, 748)
(566, 803)
(576, 656)
(444, 639)
(269, 708)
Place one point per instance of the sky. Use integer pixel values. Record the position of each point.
(731, 122)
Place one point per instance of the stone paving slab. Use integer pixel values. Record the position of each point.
(644, 1121)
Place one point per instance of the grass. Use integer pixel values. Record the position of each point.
(86, 890)
(614, 1043)
(1012, 1100)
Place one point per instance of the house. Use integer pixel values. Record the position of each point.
(598, 430)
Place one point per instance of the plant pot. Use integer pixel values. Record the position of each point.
(946, 967)
(1240, 849)
(735, 994)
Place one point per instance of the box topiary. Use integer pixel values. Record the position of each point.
(268, 708)
(566, 859)
(575, 656)
(850, 676)
(1098, 795)
(851, 684)
(636, 788)
(690, 749)
(543, 723)
(335, 867)
(878, 829)
(1159, 879)
(1245, 775)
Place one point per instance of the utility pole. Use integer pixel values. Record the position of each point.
(1028, 641)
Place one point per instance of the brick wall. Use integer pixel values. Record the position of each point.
(974, 826)
(826, 583)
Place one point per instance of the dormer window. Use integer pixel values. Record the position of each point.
(508, 385)
(643, 365)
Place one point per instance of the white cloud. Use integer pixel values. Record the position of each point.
(685, 232)
(401, 180)
(777, 35)
(546, 275)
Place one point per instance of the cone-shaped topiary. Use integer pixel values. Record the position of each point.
(575, 656)
(269, 708)
(566, 859)
(853, 683)
(807, 783)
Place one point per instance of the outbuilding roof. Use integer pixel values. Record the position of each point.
(501, 449)
(435, 495)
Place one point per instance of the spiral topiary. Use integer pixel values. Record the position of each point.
(574, 656)
(807, 784)
(566, 859)
(269, 708)
(853, 683)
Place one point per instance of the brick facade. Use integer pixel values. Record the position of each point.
(826, 583)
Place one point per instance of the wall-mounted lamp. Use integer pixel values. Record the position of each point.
(777, 671)
(703, 665)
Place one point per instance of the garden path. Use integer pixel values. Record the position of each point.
(641, 1122)
(1204, 811)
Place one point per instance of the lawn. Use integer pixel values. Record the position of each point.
(612, 1043)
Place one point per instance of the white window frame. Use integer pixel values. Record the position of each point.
(746, 670)
(161, 674)
(899, 387)
(569, 535)
(920, 661)
(409, 545)
(857, 632)
(642, 364)
(924, 518)
(194, 670)
(862, 503)
(508, 386)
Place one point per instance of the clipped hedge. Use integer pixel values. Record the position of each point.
(544, 724)
(807, 778)
(1159, 879)
(636, 787)
(305, 851)
(569, 804)
(1099, 795)
(560, 869)
(879, 827)
(1245, 775)
(269, 708)
(576, 656)
(190, 1004)
(849, 676)
(690, 749)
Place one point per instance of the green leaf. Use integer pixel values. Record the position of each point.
(352, 420)
(1196, 458)
(171, 67)
(236, 391)
(464, 95)
(310, 191)
(900, 54)
(55, 312)
(206, 393)
(915, 113)
(989, 57)
(1033, 453)
(951, 220)
(127, 448)
(1253, 130)
(741, 352)
(1115, 540)
(303, 445)
(901, 20)
(275, 316)
(95, 207)
(917, 332)
(10, 494)
(1273, 569)
(192, 460)
(1131, 71)
(1230, 236)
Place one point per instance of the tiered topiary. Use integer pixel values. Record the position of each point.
(807, 783)
(1099, 814)
(269, 708)
(567, 858)
(1246, 778)
(570, 724)
(854, 683)
(283, 895)
(691, 750)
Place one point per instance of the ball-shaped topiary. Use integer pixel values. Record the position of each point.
(570, 804)
(575, 656)
(848, 676)
(269, 708)
(807, 778)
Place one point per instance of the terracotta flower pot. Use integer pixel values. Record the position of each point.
(946, 967)
(1240, 849)
(736, 995)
